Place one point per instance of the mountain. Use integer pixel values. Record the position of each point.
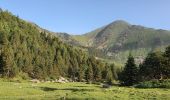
(67, 38)
(115, 40)
(119, 38)
(28, 51)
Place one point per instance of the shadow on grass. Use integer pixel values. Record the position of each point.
(67, 89)
(98, 86)
(48, 89)
(81, 86)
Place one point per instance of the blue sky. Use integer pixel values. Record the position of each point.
(81, 16)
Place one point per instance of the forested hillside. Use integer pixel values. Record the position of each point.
(27, 52)
(115, 40)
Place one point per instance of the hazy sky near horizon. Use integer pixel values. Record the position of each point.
(81, 16)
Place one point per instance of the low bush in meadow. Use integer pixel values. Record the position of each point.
(154, 84)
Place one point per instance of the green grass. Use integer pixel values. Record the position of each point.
(76, 91)
(82, 39)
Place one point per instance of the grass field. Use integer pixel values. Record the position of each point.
(76, 91)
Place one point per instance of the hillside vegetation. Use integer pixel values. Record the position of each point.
(29, 52)
(116, 40)
(34, 62)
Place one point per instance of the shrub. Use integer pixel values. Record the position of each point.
(154, 84)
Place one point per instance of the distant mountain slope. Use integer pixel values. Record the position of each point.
(87, 39)
(120, 37)
(115, 40)
(65, 37)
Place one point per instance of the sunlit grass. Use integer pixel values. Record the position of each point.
(37, 91)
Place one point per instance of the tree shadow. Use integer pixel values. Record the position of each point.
(48, 89)
(67, 89)
(80, 86)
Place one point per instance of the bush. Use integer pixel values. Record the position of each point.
(154, 84)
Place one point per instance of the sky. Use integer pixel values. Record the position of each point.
(82, 16)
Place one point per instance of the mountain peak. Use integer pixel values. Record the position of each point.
(120, 22)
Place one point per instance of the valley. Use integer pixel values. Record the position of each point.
(118, 61)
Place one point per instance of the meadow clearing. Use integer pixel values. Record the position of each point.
(76, 91)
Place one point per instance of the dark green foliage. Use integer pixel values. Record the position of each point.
(89, 74)
(1, 65)
(109, 77)
(8, 67)
(167, 52)
(109, 73)
(167, 62)
(153, 67)
(39, 54)
(129, 75)
(97, 74)
(154, 84)
(71, 73)
(81, 73)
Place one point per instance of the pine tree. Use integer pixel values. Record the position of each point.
(7, 62)
(98, 75)
(8, 67)
(89, 74)
(96, 70)
(167, 52)
(1, 65)
(128, 76)
(153, 67)
(167, 62)
(81, 73)
(105, 71)
(71, 73)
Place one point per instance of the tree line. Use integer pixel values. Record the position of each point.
(156, 66)
(29, 53)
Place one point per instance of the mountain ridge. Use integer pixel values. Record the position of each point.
(119, 37)
(116, 39)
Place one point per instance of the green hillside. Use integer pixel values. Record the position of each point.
(116, 40)
(27, 51)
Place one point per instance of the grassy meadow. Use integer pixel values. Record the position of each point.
(76, 91)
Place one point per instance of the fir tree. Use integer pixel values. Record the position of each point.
(81, 73)
(153, 67)
(167, 62)
(89, 74)
(128, 76)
